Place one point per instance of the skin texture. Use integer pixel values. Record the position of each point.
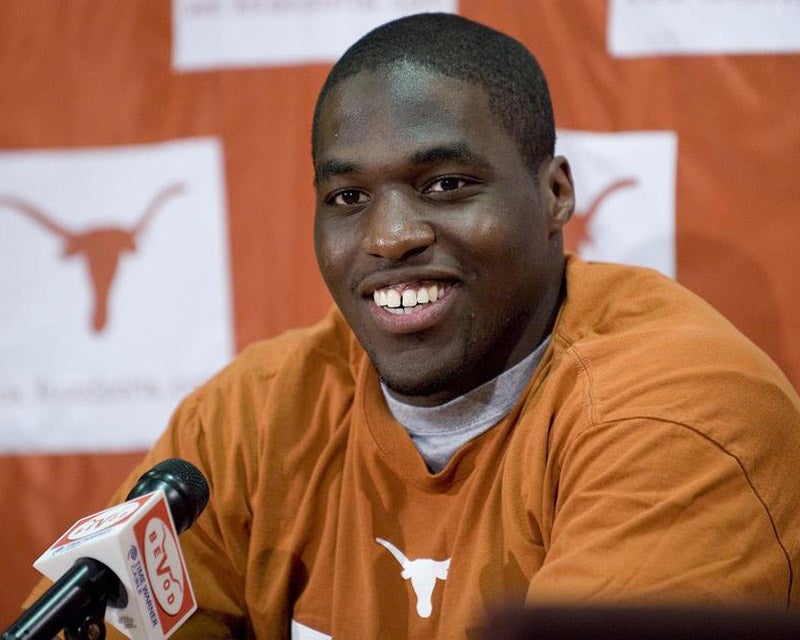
(417, 182)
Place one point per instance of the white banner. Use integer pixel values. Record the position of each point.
(218, 34)
(669, 27)
(625, 196)
(115, 290)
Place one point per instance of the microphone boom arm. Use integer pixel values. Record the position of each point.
(76, 603)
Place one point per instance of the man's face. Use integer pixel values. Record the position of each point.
(431, 233)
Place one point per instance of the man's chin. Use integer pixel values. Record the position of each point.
(415, 378)
(423, 392)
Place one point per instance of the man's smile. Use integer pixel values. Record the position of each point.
(406, 297)
(411, 306)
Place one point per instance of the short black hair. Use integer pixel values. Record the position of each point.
(465, 50)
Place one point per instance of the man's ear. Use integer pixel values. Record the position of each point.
(558, 192)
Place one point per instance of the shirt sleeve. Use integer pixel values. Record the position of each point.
(650, 510)
(215, 546)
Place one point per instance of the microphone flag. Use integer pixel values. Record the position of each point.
(138, 541)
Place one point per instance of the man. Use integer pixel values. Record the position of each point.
(480, 420)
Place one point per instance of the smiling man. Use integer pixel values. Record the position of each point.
(423, 195)
(480, 420)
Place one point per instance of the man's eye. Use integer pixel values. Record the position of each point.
(450, 183)
(348, 197)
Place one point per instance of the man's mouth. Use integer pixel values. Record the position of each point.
(407, 298)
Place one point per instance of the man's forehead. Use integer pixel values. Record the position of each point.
(421, 102)
(402, 83)
(404, 76)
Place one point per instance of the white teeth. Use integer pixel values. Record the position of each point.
(396, 301)
(409, 298)
(392, 298)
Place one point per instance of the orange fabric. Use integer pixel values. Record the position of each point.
(39, 505)
(80, 75)
(651, 458)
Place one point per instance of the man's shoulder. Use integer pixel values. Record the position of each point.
(621, 311)
(327, 344)
(645, 345)
(606, 299)
(641, 364)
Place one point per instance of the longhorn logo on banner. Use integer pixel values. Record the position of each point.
(625, 196)
(578, 231)
(100, 247)
(157, 325)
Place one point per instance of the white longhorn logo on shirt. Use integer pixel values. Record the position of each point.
(422, 573)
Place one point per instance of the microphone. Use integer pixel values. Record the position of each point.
(126, 557)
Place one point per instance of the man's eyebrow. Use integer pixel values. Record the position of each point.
(330, 168)
(457, 152)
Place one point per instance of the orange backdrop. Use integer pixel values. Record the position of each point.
(98, 73)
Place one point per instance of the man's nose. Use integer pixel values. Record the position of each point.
(395, 230)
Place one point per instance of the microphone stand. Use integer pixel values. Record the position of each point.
(75, 603)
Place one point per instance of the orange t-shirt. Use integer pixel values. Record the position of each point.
(652, 457)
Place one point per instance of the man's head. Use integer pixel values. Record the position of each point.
(465, 50)
(438, 221)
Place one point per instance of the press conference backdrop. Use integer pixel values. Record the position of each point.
(156, 197)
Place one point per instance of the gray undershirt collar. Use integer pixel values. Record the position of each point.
(438, 432)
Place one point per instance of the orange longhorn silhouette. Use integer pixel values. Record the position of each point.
(101, 247)
(577, 231)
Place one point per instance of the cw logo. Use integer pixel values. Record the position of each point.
(577, 232)
(100, 247)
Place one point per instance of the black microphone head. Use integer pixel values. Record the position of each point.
(185, 487)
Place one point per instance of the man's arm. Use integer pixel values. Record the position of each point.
(211, 548)
(656, 511)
